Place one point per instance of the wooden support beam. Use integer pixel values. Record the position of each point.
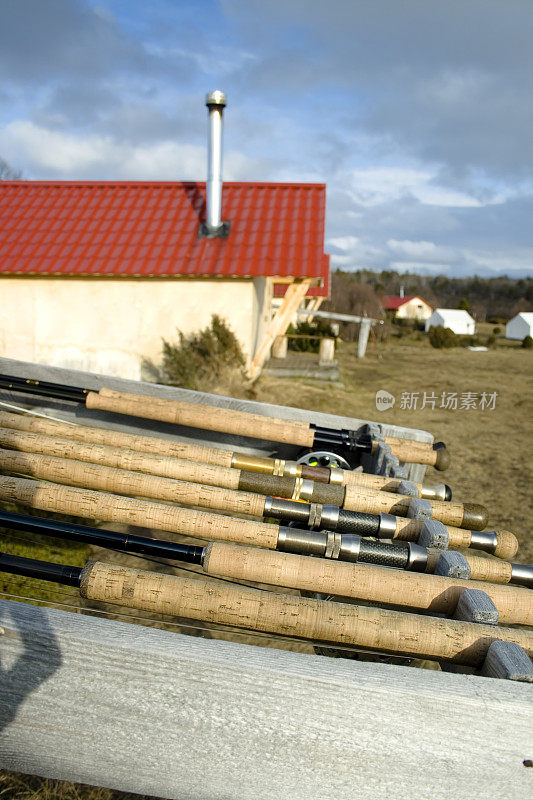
(279, 323)
(312, 304)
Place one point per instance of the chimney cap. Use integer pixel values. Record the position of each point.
(216, 98)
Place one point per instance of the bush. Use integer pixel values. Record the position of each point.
(202, 360)
(491, 340)
(469, 341)
(440, 337)
(302, 344)
(496, 331)
(527, 342)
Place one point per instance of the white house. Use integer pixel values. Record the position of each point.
(455, 319)
(520, 326)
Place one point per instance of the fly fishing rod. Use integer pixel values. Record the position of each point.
(218, 457)
(373, 628)
(436, 594)
(351, 498)
(349, 444)
(87, 503)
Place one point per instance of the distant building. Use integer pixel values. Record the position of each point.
(412, 307)
(455, 319)
(520, 326)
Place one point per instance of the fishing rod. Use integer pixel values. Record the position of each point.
(217, 456)
(87, 503)
(381, 554)
(349, 444)
(373, 628)
(38, 447)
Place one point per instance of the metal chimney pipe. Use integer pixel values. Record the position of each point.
(215, 102)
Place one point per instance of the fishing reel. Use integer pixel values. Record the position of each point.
(337, 448)
(323, 458)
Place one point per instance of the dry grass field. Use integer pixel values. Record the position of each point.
(490, 449)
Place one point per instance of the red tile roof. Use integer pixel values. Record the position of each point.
(146, 229)
(392, 303)
(314, 291)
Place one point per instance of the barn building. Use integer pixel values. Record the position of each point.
(520, 326)
(93, 275)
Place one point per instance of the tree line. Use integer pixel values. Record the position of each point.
(487, 299)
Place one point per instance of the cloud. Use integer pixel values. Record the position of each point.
(52, 154)
(443, 81)
(62, 37)
(379, 185)
(426, 251)
(417, 115)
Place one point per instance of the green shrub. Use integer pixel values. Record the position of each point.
(527, 342)
(202, 360)
(491, 340)
(469, 341)
(440, 337)
(496, 331)
(301, 343)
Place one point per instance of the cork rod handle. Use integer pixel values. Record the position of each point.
(489, 569)
(138, 484)
(132, 511)
(106, 436)
(434, 593)
(419, 452)
(370, 481)
(224, 420)
(120, 458)
(288, 615)
(460, 515)
(409, 530)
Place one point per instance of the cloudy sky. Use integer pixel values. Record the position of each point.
(418, 114)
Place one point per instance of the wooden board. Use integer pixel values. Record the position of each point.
(148, 711)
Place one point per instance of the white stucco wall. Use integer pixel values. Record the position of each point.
(414, 309)
(111, 325)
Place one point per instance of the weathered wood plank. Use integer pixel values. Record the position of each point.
(148, 711)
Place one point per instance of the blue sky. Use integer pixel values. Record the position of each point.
(417, 114)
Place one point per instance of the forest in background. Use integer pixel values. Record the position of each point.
(488, 299)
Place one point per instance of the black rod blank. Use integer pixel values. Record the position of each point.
(113, 540)
(45, 388)
(43, 570)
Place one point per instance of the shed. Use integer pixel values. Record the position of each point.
(457, 320)
(94, 274)
(413, 307)
(520, 326)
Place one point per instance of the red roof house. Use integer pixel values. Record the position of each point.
(412, 307)
(100, 272)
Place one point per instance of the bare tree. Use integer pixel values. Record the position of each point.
(349, 296)
(7, 173)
